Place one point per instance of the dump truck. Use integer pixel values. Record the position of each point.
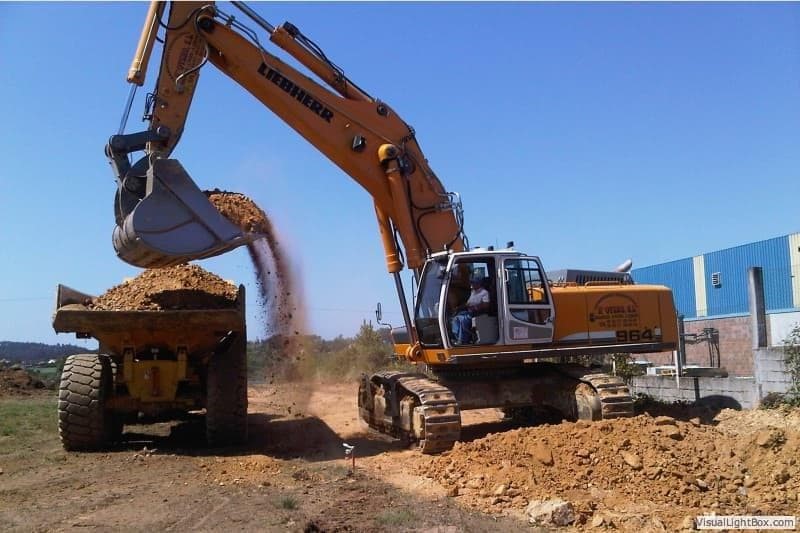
(151, 366)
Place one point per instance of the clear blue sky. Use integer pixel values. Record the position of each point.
(586, 133)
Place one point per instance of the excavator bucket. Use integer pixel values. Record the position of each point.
(174, 222)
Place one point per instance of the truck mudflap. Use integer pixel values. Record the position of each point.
(410, 407)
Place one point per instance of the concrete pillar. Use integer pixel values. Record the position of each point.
(758, 314)
(680, 360)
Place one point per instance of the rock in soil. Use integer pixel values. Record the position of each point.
(543, 454)
(550, 513)
(632, 459)
(770, 438)
(664, 421)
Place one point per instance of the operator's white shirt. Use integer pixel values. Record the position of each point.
(478, 296)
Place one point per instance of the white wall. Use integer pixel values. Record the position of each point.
(780, 324)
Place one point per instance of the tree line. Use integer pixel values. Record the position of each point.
(312, 357)
(30, 352)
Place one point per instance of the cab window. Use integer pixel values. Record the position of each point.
(525, 283)
(426, 314)
(463, 273)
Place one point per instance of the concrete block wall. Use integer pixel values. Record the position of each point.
(735, 346)
(770, 370)
(770, 375)
(726, 392)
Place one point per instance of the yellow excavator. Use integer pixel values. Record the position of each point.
(516, 344)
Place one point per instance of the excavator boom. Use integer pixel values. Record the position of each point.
(162, 216)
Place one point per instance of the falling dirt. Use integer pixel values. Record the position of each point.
(273, 273)
(278, 295)
(176, 287)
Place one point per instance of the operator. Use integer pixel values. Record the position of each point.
(477, 303)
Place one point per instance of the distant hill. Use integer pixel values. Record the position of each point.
(36, 351)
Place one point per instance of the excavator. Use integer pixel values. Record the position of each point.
(521, 353)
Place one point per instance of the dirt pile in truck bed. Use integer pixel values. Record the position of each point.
(671, 469)
(177, 287)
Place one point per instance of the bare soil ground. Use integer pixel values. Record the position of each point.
(293, 476)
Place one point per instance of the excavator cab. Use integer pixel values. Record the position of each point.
(520, 307)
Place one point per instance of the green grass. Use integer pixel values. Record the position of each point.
(24, 420)
(288, 502)
(395, 517)
(45, 372)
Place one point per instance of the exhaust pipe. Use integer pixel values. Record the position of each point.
(625, 266)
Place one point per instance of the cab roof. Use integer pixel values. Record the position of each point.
(507, 252)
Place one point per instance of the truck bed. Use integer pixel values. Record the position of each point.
(198, 329)
(77, 318)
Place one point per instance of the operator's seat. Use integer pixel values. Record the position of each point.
(491, 288)
(485, 325)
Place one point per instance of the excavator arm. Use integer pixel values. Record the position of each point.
(360, 134)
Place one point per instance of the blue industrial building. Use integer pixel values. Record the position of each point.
(714, 285)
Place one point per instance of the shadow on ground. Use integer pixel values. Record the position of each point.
(706, 409)
(311, 439)
(303, 437)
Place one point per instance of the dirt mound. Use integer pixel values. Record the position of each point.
(177, 287)
(16, 381)
(748, 422)
(627, 470)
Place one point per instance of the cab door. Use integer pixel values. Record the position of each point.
(528, 310)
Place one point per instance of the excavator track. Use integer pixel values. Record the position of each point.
(411, 407)
(615, 397)
(612, 396)
(415, 408)
(440, 412)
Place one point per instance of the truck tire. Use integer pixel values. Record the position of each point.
(226, 395)
(84, 423)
